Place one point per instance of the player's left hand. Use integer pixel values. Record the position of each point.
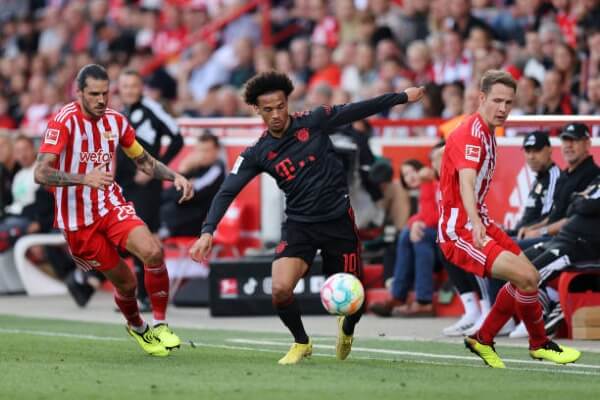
(415, 93)
(184, 186)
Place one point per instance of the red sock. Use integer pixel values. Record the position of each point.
(129, 309)
(156, 280)
(529, 310)
(502, 310)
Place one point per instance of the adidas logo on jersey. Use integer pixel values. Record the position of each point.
(95, 157)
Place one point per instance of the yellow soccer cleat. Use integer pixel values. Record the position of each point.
(486, 352)
(148, 342)
(166, 336)
(296, 353)
(551, 351)
(343, 343)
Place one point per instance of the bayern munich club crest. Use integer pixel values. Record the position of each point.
(302, 135)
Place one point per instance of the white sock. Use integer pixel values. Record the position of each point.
(552, 294)
(158, 322)
(140, 329)
(485, 306)
(469, 301)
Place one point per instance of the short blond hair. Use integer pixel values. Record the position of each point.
(494, 76)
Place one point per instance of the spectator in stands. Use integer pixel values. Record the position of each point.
(462, 20)
(395, 207)
(416, 246)
(591, 106)
(581, 169)
(538, 155)
(206, 172)
(454, 66)
(244, 69)
(151, 124)
(578, 240)
(325, 70)
(8, 168)
(6, 120)
(419, 63)
(19, 214)
(529, 93)
(554, 100)
(452, 96)
(565, 62)
(356, 77)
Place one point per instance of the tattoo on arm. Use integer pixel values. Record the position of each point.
(46, 174)
(153, 167)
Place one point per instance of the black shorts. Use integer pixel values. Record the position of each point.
(337, 239)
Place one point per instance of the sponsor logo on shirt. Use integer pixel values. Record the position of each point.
(98, 157)
(51, 136)
(472, 153)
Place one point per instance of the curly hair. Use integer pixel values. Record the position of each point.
(266, 82)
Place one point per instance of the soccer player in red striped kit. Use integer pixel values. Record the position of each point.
(75, 158)
(471, 240)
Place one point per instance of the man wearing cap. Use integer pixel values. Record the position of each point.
(538, 155)
(581, 170)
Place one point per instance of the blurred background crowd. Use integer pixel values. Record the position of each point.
(335, 51)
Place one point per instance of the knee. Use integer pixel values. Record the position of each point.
(152, 254)
(281, 293)
(528, 280)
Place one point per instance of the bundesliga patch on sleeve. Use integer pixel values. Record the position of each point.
(472, 153)
(237, 165)
(51, 136)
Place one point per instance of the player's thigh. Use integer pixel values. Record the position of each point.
(144, 245)
(342, 255)
(516, 269)
(503, 239)
(285, 274)
(126, 230)
(91, 249)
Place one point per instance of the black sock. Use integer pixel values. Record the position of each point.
(290, 315)
(351, 320)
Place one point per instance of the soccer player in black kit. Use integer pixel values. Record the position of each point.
(297, 152)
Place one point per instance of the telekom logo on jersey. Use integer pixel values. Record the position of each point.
(95, 157)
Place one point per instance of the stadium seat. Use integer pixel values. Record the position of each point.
(226, 240)
(9, 277)
(578, 287)
(36, 282)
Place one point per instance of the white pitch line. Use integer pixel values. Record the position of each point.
(406, 353)
(254, 349)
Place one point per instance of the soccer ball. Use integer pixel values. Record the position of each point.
(342, 294)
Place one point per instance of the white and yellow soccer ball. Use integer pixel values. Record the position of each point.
(342, 294)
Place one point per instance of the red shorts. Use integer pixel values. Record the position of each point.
(95, 246)
(463, 254)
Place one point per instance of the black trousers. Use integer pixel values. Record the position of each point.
(550, 258)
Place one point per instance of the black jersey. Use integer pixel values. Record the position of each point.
(584, 214)
(303, 162)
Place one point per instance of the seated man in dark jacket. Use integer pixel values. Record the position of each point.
(206, 172)
(578, 240)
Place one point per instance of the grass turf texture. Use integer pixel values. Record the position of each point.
(49, 359)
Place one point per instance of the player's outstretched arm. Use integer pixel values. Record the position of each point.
(45, 174)
(339, 115)
(154, 168)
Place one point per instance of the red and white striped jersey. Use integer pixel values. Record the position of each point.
(82, 144)
(470, 145)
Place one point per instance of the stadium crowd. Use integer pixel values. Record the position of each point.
(339, 52)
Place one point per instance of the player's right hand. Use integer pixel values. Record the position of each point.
(201, 247)
(98, 178)
(415, 93)
(479, 234)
